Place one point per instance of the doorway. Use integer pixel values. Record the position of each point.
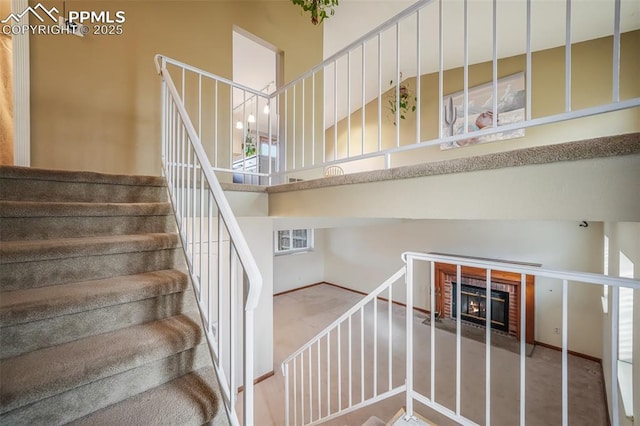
(257, 65)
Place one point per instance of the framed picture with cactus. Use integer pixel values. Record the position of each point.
(511, 109)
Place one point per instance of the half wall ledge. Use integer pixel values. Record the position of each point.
(608, 146)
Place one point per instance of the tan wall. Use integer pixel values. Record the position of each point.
(350, 262)
(591, 86)
(6, 92)
(96, 100)
(599, 189)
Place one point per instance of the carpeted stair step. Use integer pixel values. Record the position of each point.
(97, 311)
(61, 248)
(41, 374)
(29, 220)
(36, 318)
(184, 401)
(39, 263)
(84, 400)
(31, 336)
(30, 184)
(37, 304)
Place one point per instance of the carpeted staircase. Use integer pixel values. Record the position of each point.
(98, 320)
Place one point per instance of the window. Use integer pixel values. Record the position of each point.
(625, 324)
(605, 289)
(293, 240)
(625, 337)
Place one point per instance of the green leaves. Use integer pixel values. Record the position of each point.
(317, 8)
(404, 102)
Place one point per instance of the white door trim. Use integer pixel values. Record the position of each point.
(21, 92)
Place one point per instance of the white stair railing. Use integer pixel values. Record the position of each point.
(328, 376)
(224, 273)
(311, 369)
(341, 110)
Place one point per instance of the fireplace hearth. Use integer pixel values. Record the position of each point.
(473, 306)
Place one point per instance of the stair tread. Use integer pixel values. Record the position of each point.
(34, 304)
(60, 248)
(374, 421)
(46, 372)
(15, 172)
(186, 400)
(67, 209)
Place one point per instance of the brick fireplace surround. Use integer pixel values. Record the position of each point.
(509, 282)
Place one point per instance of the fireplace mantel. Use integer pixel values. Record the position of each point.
(445, 272)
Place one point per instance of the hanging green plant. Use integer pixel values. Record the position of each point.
(320, 9)
(249, 144)
(405, 102)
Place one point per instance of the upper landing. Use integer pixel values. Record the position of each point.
(596, 179)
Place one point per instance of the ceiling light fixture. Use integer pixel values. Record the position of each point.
(239, 125)
(251, 119)
(266, 109)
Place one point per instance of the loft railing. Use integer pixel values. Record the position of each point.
(344, 110)
(229, 121)
(314, 374)
(345, 120)
(355, 92)
(224, 273)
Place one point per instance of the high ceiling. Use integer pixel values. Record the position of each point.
(590, 19)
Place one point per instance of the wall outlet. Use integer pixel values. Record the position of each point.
(556, 330)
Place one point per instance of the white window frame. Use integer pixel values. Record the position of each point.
(605, 288)
(625, 335)
(276, 241)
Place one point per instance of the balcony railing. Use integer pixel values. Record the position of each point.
(371, 101)
(314, 389)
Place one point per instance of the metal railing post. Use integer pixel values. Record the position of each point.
(248, 414)
(409, 338)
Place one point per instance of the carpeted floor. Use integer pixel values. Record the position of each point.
(298, 316)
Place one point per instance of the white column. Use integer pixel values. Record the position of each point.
(21, 92)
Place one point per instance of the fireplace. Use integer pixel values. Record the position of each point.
(506, 298)
(473, 306)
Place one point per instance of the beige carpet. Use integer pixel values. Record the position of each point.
(298, 316)
(98, 319)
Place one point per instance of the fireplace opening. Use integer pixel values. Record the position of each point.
(473, 306)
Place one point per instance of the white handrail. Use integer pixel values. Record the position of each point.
(244, 253)
(159, 57)
(585, 277)
(188, 179)
(392, 279)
